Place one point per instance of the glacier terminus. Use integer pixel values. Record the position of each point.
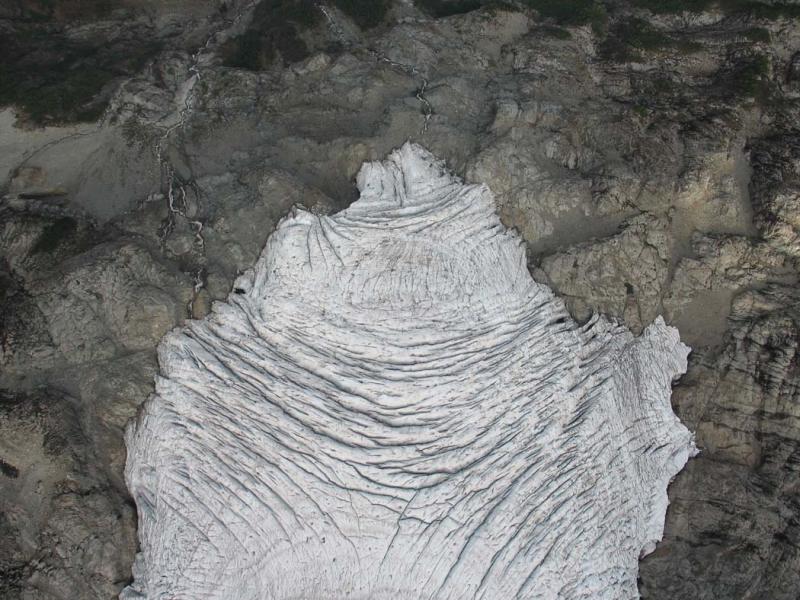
(388, 406)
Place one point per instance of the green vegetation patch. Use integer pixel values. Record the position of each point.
(273, 32)
(674, 6)
(747, 77)
(52, 79)
(564, 13)
(366, 13)
(555, 32)
(757, 34)
(447, 8)
(750, 79)
(61, 10)
(629, 39)
(570, 13)
(756, 8)
(55, 234)
(762, 10)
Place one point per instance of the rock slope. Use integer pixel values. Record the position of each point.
(388, 406)
(645, 151)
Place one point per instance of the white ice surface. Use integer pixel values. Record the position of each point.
(389, 407)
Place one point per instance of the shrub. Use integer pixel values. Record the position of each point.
(756, 8)
(55, 80)
(273, 31)
(674, 6)
(572, 12)
(55, 234)
(366, 13)
(757, 34)
(629, 38)
(447, 8)
(762, 10)
(556, 32)
(562, 12)
(65, 10)
(751, 79)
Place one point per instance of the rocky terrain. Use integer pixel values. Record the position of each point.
(647, 152)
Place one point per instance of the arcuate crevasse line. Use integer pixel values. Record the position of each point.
(394, 409)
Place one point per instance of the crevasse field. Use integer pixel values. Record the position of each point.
(388, 406)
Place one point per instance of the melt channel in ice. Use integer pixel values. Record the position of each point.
(389, 407)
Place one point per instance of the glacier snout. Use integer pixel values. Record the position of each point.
(394, 409)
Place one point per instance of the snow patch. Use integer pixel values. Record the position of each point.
(388, 406)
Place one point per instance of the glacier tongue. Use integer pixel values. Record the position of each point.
(389, 407)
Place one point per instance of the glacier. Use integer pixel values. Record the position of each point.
(388, 406)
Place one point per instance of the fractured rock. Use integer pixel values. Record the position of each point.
(623, 275)
(775, 190)
(742, 491)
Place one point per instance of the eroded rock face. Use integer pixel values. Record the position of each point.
(388, 406)
(638, 255)
(741, 491)
(776, 179)
(64, 523)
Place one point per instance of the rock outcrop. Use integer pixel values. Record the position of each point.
(646, 152)
(732, 527)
